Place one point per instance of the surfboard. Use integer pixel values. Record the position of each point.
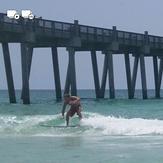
(57, 126)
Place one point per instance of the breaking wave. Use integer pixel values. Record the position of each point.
(91, 125)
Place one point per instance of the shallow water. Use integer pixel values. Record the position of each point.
(111, 131)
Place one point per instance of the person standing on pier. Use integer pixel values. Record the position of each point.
(75, 107)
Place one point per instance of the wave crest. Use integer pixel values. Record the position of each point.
(110, 125)
(92, 124)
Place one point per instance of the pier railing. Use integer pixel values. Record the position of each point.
(86, 33)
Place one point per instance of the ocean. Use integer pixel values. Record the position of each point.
(111, 131)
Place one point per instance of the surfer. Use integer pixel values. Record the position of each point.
(75, 107)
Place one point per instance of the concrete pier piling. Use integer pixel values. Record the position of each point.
(104, 76)
(71, 73)
(9, 75)
(56, 73)
(143, 77)
(111, 74)
(155, 68)
(128, 74)
(67, 83)
(95, 73)
(160, 74)
(134, 75)
(108, 69)
(30, 55)
(25, 73)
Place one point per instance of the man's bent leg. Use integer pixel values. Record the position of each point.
(67, 118)
(79, 113)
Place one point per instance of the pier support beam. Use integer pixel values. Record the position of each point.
(9, 76)
(25, 72)
(108, 68)
(67, 84)
(128, 75)
(160, 74)
(56, 73)
(104, 77)
(111, 75)
(134, 75)
(95, 73)
(71, 73)
(156, 77)
(30, 52)
(30, 55)
(143, 76)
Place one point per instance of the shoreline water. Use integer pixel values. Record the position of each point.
(120, 130)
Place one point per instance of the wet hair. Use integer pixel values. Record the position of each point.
(66, 95)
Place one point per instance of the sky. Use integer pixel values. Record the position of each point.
(127, 15)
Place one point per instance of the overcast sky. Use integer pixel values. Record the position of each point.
(129, 15)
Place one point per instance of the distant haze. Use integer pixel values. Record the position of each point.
(128, 15)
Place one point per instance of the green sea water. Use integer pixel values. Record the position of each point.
(112, 131)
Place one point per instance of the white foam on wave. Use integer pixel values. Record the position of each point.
(17, 124)
(92, 124)
(109, 125)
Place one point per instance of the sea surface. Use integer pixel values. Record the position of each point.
(111, 131)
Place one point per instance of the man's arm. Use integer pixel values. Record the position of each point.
(64, 108)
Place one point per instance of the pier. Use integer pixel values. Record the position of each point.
(75, 37)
